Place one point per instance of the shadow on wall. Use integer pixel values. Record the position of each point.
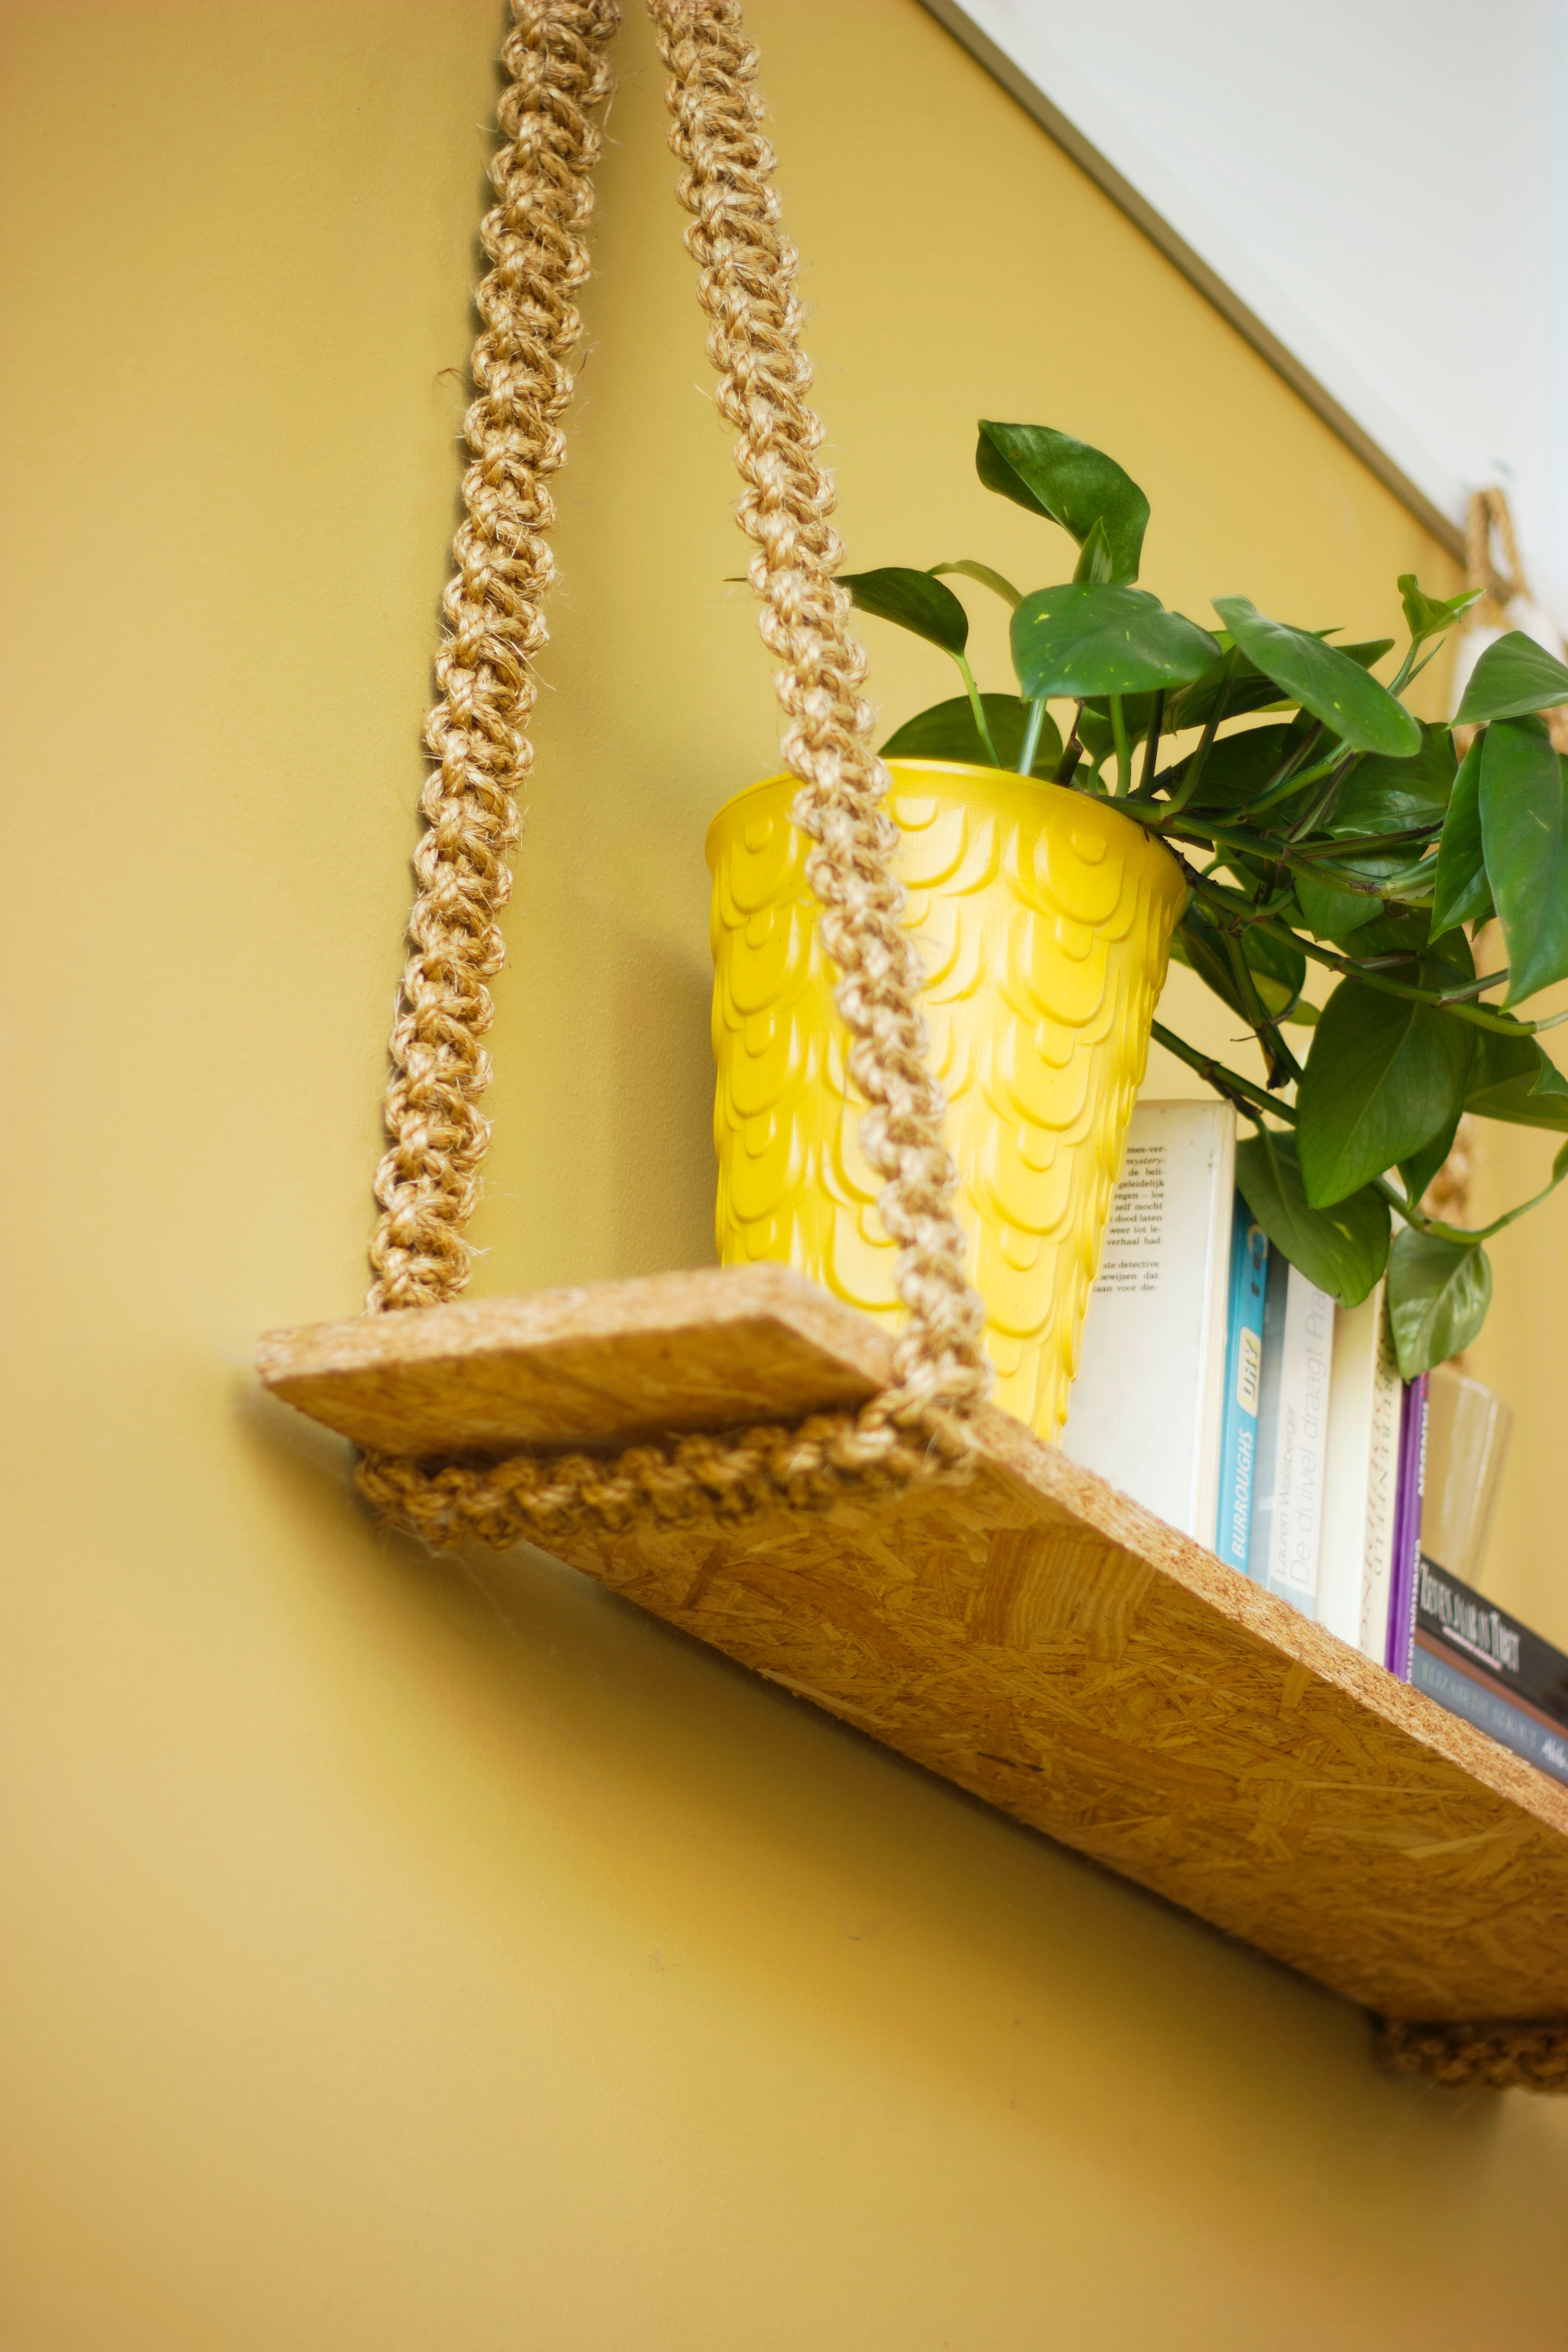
(659, 1113)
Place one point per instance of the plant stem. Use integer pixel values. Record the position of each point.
(1199, 759)
(978, 708)
(1123, 751)
(1072, 750)
(1229, 1083)
(1151, 746)
(1411, 1214)
(1031, 737)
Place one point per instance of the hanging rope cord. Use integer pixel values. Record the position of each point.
(427, 1183)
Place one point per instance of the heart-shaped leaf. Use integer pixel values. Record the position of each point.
(1237, 766)
(1249, 689)
(1461, 893)
(1069, 483)
(1416, 1172)
(947, 731)
(1344, 1249)
(1082, 639)
(1323, 679)
(1512, 1078)
(915, 601)
(1382, 795)
(1524, 833)
(1331, 914)
(1512, 677)
(1438, 1292)
(1384, 1077)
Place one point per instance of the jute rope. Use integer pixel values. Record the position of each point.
(427, 1182)
(1503, 2057)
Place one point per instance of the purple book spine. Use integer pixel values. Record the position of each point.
(1407, 1528)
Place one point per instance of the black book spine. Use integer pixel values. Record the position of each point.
(1476, 1631)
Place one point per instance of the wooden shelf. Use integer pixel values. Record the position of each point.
(1033, 1635)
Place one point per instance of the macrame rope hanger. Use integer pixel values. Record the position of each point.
(428, 1184)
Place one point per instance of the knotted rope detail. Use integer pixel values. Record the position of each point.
(1505, 2057)
(428, 1180)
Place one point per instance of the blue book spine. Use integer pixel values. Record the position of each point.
(1243, 1385)
(1489, 1712)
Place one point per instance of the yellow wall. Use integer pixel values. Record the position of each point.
(401, 1955)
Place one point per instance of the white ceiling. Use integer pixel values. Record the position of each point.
(1382, 183)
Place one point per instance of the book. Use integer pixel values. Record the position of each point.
(1451, 1617)
(1397, 1652)
(1468, 1429)
(1284, 1547)
(1361, 1478)
(1243, 1385)
(1147, 1404)
(1480, 1700)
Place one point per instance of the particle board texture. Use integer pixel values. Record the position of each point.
(1031, 1634)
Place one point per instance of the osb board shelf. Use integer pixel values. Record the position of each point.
(1033, 1635)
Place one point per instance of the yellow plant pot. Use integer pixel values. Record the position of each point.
(1046, 921)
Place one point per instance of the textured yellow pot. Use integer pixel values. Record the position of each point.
(1046, 921)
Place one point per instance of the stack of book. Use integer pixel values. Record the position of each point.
(1219, 1388)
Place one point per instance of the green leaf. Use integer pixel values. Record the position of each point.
(1438, 1292)
(1418, 1171)
(1512, 1078)
(1428, 616)
(1250, 690)
(1382, 795)
(1344, 1249)
(1512, 677)
(1237, 766)
(1524, 833)
(1462, 893)
(947, 731)
(915, 601)
(1331, 914)
(1094, 561)
(1069, 483)
(1083, 639)
(1012, 597)
(1323, 679)
(1384, 1077)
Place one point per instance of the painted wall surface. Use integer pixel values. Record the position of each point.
(405, 1955)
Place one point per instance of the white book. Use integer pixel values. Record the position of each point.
(1147, 1405)
(1293, 1430)
(1361, 1478)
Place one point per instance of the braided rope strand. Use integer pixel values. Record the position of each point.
(748, 270)
(429, 1181)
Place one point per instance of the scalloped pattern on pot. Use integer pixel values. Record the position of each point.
(1044, 919)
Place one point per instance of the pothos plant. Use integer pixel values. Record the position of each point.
(1325, 833)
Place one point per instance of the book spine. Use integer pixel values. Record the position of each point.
(1484, 1639)
(1382, 1491)
(1407, 1529)
(1296, 1535)
(1243, 1383)
(1477, 1702)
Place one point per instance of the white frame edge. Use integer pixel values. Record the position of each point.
(1118, 162)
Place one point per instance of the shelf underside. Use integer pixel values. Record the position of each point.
(1032, 1636)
